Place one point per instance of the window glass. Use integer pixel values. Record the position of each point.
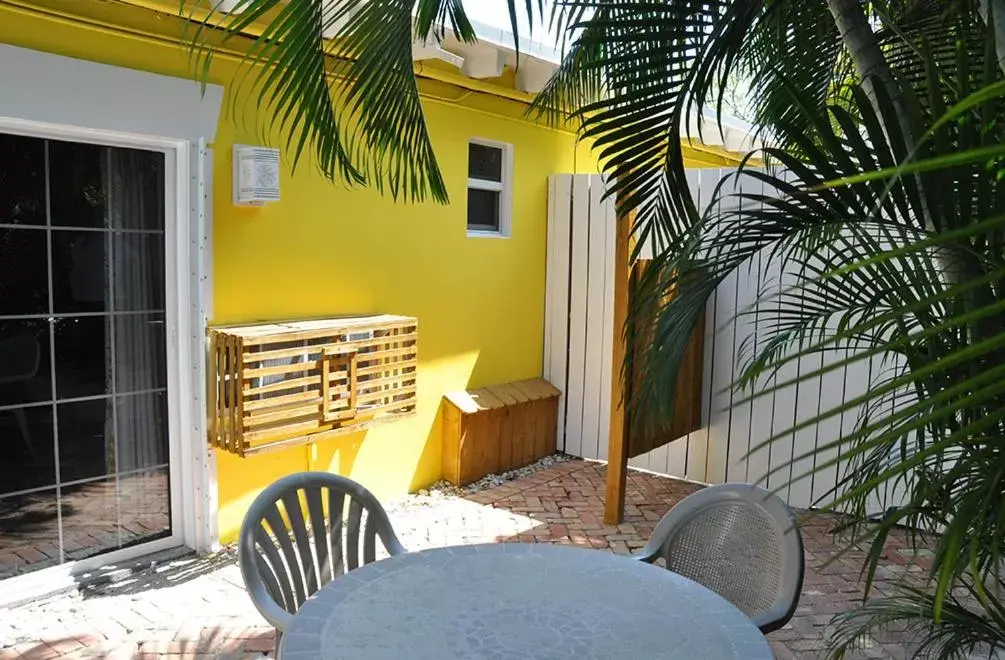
(484, 162)
(22, 180)
(24, 272)
(78, 186)
(483, 210)
(83, 348)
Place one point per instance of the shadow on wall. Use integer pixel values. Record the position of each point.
(432, 450)
(468, 376)
(240, 480)
(337, 455)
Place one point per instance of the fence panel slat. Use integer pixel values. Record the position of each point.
(596, 284)
(723, 368)
(697, 442)
(832, 386)
(557, 316)
(609, 219)
(783, 416)
(551, 278)
(807, 398)
(761, 408)
(577, 314)
(744, 331)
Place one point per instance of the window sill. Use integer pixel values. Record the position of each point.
(478, 233)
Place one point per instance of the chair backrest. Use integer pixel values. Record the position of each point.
(303, 531)
(740, 541)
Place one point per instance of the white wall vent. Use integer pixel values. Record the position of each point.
(256, 175)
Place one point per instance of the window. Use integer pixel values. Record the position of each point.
(490, 167)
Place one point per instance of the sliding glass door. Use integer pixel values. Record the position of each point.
(83, 381)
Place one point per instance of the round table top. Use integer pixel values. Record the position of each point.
(514, 600)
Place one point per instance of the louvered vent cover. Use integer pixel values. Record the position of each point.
(256, 175)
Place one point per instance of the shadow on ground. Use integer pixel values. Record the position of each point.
(155, 572)
(222, 643)
(567, 504)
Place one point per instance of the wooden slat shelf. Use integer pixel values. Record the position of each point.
(275, 385)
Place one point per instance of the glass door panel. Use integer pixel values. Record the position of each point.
(83, 385)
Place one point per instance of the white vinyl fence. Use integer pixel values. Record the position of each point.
(579, 333)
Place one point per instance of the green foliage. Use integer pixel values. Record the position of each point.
(970, 621)
(887, 221)
(352, 102)
(884, 210)
(885, 213)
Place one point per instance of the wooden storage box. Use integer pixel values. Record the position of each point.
(272, 385)
(498, 428)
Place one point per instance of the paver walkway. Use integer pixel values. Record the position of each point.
(197, 607)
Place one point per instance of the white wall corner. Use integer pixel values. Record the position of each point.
(484, 62)
(532, 76)
(431, 50)
(230, 6)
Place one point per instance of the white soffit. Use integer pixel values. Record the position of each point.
(533, 75)
(70, 92)
(481, 60)
(732, 135)
(495, 51)
(230, 6)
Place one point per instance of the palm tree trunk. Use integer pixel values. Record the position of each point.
(863, 48)
(997, 24)
(873, 70)
(955, 262)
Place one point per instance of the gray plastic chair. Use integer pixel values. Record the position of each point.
(289, 549)
(740, 541)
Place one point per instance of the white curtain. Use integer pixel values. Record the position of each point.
(135, 201)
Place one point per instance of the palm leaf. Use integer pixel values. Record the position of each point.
(352, 101)
(971, 622)
(865, 281)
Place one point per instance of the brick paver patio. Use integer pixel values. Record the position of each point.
(99, 515)
(197, 607)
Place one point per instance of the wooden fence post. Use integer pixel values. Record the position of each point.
(617, 452)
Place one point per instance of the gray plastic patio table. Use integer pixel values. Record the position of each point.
(511, 600)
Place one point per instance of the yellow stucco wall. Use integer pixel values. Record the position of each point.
(325, 250)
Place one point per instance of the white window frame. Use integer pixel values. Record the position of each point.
(504, 188)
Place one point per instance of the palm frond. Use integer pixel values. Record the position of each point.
(865, 279)
(335, 79)
(971, 622)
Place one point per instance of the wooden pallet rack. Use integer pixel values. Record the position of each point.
(273, 385)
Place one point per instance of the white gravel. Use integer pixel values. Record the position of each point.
(445, 488)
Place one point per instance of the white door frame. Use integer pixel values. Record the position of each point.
(191, 470)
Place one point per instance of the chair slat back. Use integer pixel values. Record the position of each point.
(740, 541)
(291, 546)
